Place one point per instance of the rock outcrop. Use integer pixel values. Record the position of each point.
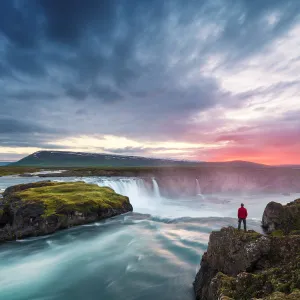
(285, 218)
(45, 207)
(246, 266)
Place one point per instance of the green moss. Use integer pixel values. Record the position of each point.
(1, 212)
(254, 235)
(226, 285)
(67, 197)
(277, 233)
(295, 295)
(249, 235)
(282, 282)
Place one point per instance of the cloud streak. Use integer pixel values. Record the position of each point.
(151, 72)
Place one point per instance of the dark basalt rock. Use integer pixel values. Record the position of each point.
(21, 217)
(282, 217)
(246, 266)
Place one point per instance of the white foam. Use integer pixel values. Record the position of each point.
(45, 172)
(149, 200)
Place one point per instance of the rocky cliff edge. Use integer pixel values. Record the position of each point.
(248, 266)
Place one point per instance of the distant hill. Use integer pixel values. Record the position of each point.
(235, 163)
(290, 166)
(82, 159)
(5, 163)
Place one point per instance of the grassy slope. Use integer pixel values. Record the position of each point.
(61, 197)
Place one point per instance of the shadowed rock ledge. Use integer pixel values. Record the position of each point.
(245, 266)
(44, 207)
(285, 218)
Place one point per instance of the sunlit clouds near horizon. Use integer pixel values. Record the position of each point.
(206, 80)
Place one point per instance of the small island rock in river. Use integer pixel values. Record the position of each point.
(248, 266)
(44, 207)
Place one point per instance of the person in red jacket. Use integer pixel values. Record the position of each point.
(242, 215)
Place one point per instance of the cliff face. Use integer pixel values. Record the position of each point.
(45, 207)
(220, 180)
(190, 181)
(245, 266)
(282, 218)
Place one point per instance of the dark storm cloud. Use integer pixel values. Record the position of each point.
(9, 125)
(24, 133)
(18, 23)
(130, 68)
(27, 95)
(247, 27)
(4, 71)
(100, 92)
(76, 93)
(24, 61)
(68, 20)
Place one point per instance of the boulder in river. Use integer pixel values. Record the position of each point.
(44, 207)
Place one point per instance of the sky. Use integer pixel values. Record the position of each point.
(208, 80)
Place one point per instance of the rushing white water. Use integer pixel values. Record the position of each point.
(156, 188)
(140, 197)
(198, 187)
(149, 200)
(136, 256)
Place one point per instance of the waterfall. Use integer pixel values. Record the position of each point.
(198, 188)
(156, 188)
(130, 187)
(143, 197)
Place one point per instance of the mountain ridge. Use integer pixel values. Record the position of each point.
(85, 159)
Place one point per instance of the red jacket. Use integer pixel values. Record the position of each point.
(242, 213)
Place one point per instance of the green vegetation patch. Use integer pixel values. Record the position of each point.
(70, 197)
(282, 281)
(295, 295)
(227, 285)
(249, 235)
(277, 233)
(8, 170)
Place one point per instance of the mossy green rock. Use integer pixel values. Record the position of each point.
(45, 207)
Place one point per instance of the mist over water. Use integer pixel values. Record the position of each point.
(151, 253)
(147, 199)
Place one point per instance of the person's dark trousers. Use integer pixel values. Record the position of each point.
(244, 221)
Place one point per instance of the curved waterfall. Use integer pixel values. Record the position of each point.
(156, 188)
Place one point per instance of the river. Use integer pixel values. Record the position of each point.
(152, 253)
